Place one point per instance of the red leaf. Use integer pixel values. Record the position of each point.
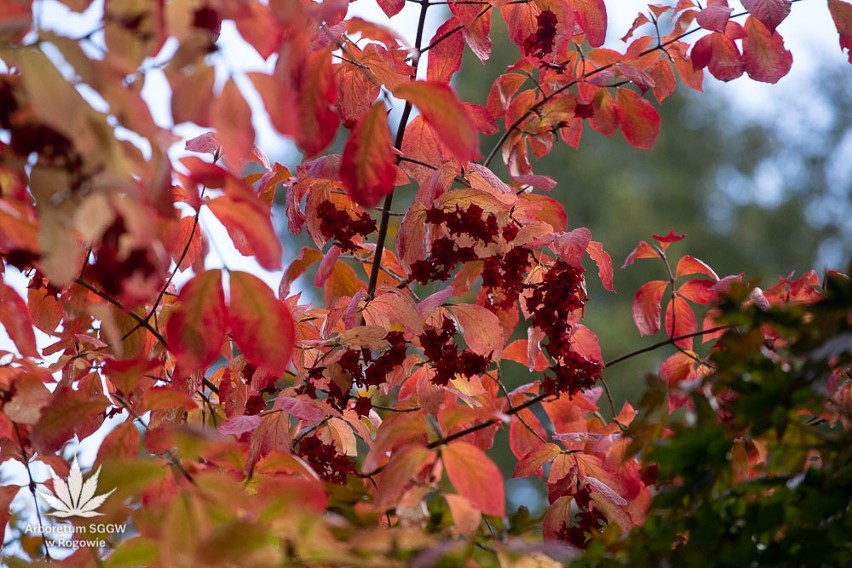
(260, 323)
(446, 57)
(391, 7)
(591, 15)
(477, 28)
(7, 495)
(522, 440)
(585, 342)
(764, 55)
(405, 465)
(250, 229)
(239, 425)
(841, 13)
(475, 477)
(367, 167)
(646, 306)
(16, 319)
(666, 240)
(604, 262)
(714, 17)
(442, 111)
(639, 120)
(571, 246)
(532, 463)
(699, 291)
(769, 12)
(691, 265)
(231, 117)
(60, 419)
(642, 250)
(680, 321)
(195, 330)
(720, 55)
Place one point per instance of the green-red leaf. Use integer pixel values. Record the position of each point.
(262, 325)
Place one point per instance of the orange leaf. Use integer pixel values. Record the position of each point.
(481, 328)
(475, 477)
(604, 262)
(591, 15)
(16, 319)
(405, 464)
(231, 117)
(680, 321)
(639, 121)
(532, 463)
(260, 323)
(195, 331)
(442, 110)
(367, 167)
(250, 229)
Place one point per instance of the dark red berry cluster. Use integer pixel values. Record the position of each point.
(552, 303)
(540, 42)
(503, 276)
(338, 225)
(445, 357)
(326, 461)
(587, 520)
(446, 253)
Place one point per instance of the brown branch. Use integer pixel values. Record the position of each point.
(667, 341)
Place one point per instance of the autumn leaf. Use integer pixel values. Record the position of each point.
(764, 54)
(720, 55)
(231, 117)
(475, 477)
(368, 165)
(15, 317)
(646, 306)
(841, 13)
(446, 57)
(260, 323)
(195, 331)
(442, 110)
(769, 12)
(639, 120)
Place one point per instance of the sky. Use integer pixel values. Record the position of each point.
(809, 34)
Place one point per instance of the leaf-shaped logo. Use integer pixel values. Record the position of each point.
(73, 497)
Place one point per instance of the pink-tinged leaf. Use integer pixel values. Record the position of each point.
(393, 308)
(482, 330)
(604, 262)
(720, 55)
(642, 250)
(841, 13)
(203, 144)
(475, 477)
(769, 12)
(764, 54)
(15, 317)
(231, 117)
(391, 7)
(572, 246)
(60, 419)
(691, 265)
(591, 15)
(636, 76)
(446, 57)
(714, 17)
(260, 323)
(250, 228)
(239, 425)
(477, 28)
(259, 27)
(532, 463)
(544, 183)
(308, 410)
(646, 306)
(639, 120)
(368, 165)
(442, 110)
(699, 291)
(196, 330)
(518, 352)
(680, 321)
